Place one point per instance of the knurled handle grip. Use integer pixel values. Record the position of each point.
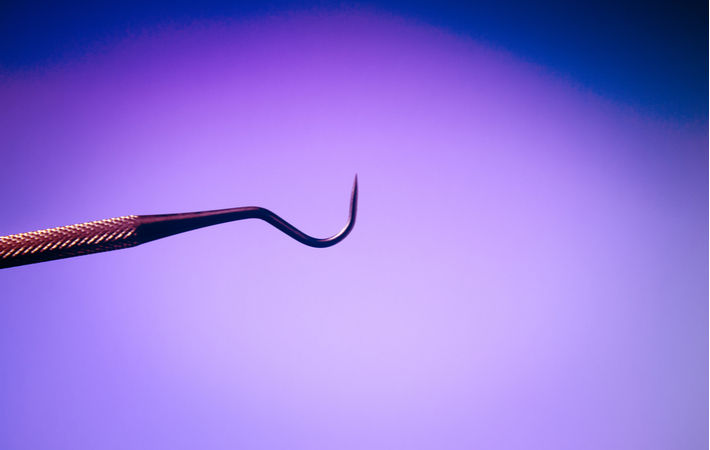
(72, 240)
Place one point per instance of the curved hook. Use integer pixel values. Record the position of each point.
(303, 238)
(151, 228)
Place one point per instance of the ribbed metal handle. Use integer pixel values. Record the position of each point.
(72, 240)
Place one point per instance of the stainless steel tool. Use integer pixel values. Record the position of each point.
(129, 231)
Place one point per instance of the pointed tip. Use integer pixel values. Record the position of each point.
(353, 201)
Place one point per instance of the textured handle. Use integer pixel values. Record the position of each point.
(72, 240)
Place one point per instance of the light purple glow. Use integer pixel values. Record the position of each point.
(528, 270)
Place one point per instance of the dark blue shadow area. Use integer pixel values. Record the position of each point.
(652, 55)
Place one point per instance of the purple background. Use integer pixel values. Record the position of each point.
(529, 268)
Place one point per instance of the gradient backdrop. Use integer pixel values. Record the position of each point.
(529, 269)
